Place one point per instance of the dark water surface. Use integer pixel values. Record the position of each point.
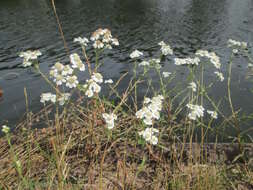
(187, 25)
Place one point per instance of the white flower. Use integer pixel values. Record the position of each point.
(135, 54)
(109, 81)
(77, 62)
(109, 119)
(29, 56)
(146, 100)
(97, 77)
(166, 49)
(94, 87)
(213, 114)
(193, 86)
(115, 41)
(72, 81)
(56, 69)
(235, 51)
(236, 44)
(196, 111)
(144, 63)
(149, 134)
(95, 35)
(82, 41)
(98, 44)
(187, 61)
(151, 109)
(250, 65)
(89, 93)
(64, 98)
(46, 97)
(5, 129)
(219, 75)
(166, 74)
(59, 79)
(67, 70)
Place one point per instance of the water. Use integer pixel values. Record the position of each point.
(187, 25)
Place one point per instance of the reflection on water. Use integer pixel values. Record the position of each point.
(187, 25)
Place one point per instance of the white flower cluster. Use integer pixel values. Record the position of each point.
(102, 38)
(150, 135)
(196, 111)
(77, 62)
(135, 54)
(49, 97)
(187, 61)
(92, 85)
(193, 86)
(108, 81)
(165, 48)
(82, 41)
(236, 45)
(152, 62)
(213, 114)
(219, 75)
(63, 73)
(109, 119)
(151, 109)
(214, 59)
(29, 57)
(5, 129)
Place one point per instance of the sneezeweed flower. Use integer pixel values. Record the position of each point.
(213, 58)
(237, 45)
(56, 69)
(109, 119)
(109, 81)
(97, 77)
(82, 41)
(213, 114)
(91, 85)
(187, 61)
(151, 109)
(135, 54)
(94, 87)
(64, 98)
(89, 93)
(219, 75)
(5, 129)
(59, 80)
(47, 97)
(77, 62)
(102, 38)
(196, 111)
(98, 44)
(67, 70)
(166, 49)
(115, 41)
(150, 135)
(193, 86)
(29, 57)
(166, 74)
(71, 81)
